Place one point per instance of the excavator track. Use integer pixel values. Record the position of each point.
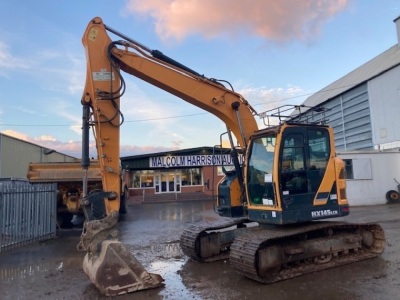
(205, 242)
(275, 254)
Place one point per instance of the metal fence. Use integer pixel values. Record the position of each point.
(27, 213)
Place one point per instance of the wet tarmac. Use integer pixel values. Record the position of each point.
(53, 269)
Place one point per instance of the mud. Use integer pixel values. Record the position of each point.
(53, 269)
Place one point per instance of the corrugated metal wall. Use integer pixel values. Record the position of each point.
(15, 156)
(350, 118)
(384, 98)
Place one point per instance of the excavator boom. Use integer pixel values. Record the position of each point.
(108, 263)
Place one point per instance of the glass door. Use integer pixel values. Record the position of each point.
(178, 181)
(168, 182)
(157, 182)
(164, 182)
(171, 181)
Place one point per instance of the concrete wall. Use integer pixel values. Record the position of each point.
(374, 173)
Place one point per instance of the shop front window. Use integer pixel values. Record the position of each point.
(186, 177)
(196, 176)
(191, 177)
(147, 179)
(136, 179)
(143, 179)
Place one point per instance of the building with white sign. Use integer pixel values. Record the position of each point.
(174, 175)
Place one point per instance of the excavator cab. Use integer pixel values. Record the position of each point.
(293, 176)
(290, 175)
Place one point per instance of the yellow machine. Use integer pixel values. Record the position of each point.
(290, 178)
(68, 176)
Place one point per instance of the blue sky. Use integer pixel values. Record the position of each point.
(272, 52)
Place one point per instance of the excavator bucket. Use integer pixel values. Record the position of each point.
(108, 263)
(115, 271)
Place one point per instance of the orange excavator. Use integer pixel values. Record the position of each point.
(288, 184)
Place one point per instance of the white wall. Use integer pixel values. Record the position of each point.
(384, 167)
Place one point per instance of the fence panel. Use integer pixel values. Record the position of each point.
(28, 213)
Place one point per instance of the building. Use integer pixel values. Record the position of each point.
(363, 107)
(16, 154)
(182, 174)
(364, 103)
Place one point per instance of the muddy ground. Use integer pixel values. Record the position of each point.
(52, 269)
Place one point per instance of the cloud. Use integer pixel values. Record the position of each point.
(46, 138)
(264, 99)
(65, 70)
(63, 66)
(129, 150)
(24, 109)
(8, 61)
(76, 77)
(74, 148)
(159, 110)
(16, 134)
(70, 111)
(278, 21)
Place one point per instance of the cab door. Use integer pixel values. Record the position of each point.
(303, 159)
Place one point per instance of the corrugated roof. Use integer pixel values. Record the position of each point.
(376, 66)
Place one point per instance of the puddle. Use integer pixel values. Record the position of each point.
(168, 250)
(154, 252)
(170, 271)
(167, 260)
(24, 269)
(22, 272)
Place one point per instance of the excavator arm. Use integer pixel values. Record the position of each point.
(105, 57)
(106, 257)
(200, 91)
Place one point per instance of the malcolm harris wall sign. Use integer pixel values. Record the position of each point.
(192, 161)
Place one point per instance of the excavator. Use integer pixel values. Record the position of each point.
(274, 204)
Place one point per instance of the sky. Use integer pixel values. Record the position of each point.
(272, 52)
